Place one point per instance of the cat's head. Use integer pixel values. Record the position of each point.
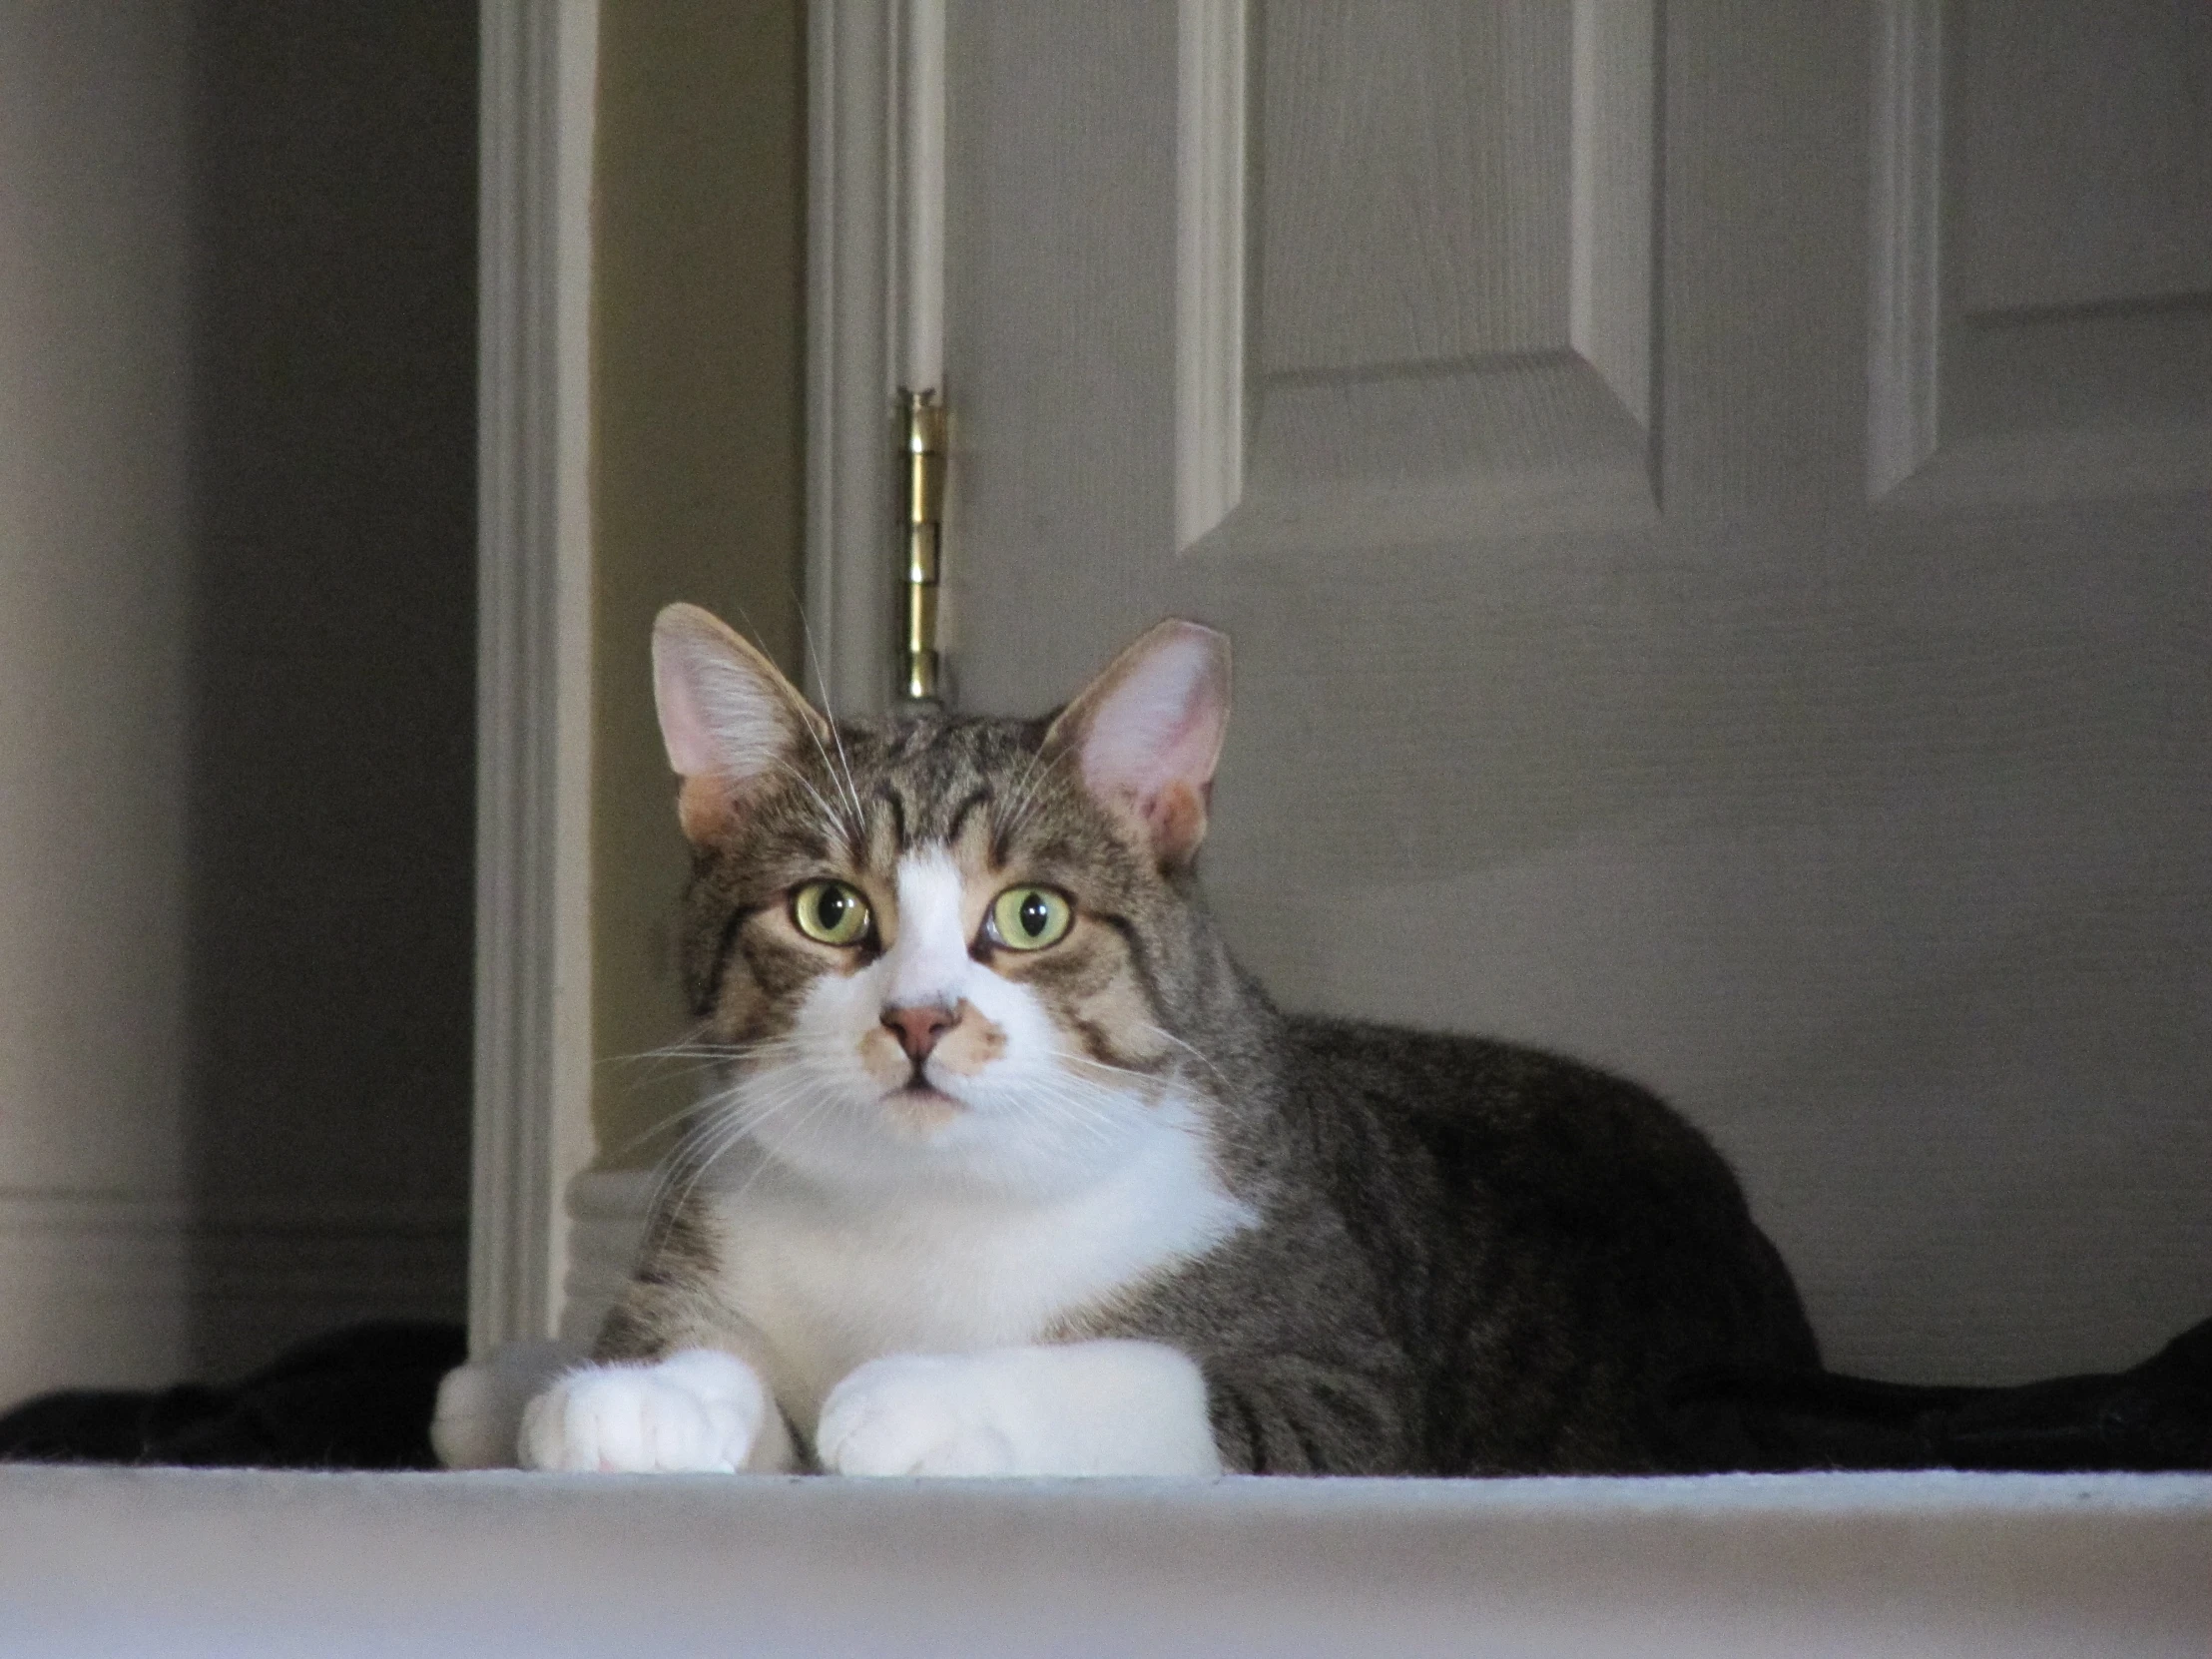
(944, 949)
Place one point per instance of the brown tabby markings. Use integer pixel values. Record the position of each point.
(927, 784)
(1469, 1258)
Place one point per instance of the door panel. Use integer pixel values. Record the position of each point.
(1413, 181)
(2085, 153)
(1451, 229)
(2046, 326)
(1628, 458)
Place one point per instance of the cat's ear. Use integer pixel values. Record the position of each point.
(1148, 733)
(728, 714)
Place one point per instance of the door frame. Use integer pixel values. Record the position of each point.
(543, 1243)
(533, 1050)
(874, 295)
(852, 156)
(538, 1239)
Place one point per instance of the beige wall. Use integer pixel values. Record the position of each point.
(333, 789)
(700, 252)
(237, 676)
(94, 635)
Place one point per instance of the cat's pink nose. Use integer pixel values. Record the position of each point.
(917, 1028)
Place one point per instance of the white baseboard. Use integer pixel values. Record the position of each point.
(119, 1290)
(93, 1291)
(606, 1223)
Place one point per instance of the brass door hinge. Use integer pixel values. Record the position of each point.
(924, 538)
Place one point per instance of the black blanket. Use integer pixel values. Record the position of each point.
(361, 1398)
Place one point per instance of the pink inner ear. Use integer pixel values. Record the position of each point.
(691, 751)
(1162, 723)
(720, 717)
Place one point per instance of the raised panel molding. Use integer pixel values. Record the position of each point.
(1908, 158)
(1612, 201)
(2086, 395)
(1519, 403)
(1211, 173)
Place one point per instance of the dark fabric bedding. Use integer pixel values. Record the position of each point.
(356, 1399)
(361, 1398)
(2155, 1416)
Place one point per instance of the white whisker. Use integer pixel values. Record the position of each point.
(833, 818)
(1195, 1052)
(860, 813)
(1038, 778)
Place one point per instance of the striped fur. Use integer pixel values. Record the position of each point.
(1382, 1250)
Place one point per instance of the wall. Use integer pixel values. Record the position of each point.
(94, 542)
(332, 794)
(699, 268)
(237, 647)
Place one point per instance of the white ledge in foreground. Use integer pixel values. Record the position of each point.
(242, 1562)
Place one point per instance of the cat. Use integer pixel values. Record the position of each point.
(1014, 1169)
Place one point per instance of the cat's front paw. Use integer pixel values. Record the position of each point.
(925, 1413)
(700, 1409)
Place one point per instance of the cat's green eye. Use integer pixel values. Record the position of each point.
(1029, 918)
(832, 912)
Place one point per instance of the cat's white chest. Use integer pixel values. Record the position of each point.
(834, 1279)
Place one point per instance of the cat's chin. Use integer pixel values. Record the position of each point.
(919, 1110)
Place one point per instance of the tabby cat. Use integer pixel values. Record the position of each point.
(1013, 1171)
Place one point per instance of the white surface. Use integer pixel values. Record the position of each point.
(94, 1290)
(2083, 130)
(237, 1563)
(1903, 344)
(1614, 81)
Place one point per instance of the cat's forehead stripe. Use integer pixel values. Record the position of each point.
(933, 778)
(927, 823)
(977, 798)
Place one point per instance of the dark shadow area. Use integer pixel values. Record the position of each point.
(2156, 1416)
(356, 1399)
(331, 799)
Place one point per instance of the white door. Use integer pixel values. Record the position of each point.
(1710, 501)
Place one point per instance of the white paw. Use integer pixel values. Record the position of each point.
(927, 1414)
(700, 1409)
(479, 1412)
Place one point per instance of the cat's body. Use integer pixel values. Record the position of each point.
(1017, 1171)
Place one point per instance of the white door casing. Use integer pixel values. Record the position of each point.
(533, 1064)
(1711, 505)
